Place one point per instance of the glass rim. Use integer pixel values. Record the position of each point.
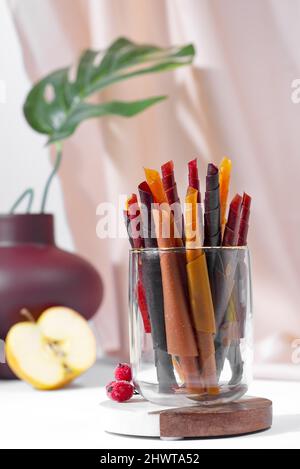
(184, 248)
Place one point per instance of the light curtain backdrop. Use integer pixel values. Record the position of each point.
(234, 101)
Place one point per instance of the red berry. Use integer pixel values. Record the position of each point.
(111, 383)
(119, 391)
(123, 372)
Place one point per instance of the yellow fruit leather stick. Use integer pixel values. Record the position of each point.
(200, 293)
(224, 180)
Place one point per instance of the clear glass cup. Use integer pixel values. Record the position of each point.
(191, 324)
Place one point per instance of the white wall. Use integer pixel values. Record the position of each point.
(24, 159)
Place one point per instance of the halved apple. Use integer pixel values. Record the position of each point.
(53, 351)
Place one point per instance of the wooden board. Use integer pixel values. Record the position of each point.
(237, 418)
(141, 418)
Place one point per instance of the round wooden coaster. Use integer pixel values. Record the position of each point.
(141, 418)
(247, 415)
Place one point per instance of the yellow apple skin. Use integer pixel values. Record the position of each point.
(67, 377)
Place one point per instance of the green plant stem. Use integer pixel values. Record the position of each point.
(52, 174)
(30, 193)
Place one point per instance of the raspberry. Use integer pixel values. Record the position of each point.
(123, 372)
(119, 391)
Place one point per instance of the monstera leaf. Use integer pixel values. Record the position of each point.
(57, 104)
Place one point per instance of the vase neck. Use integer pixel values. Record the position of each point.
(27, 229)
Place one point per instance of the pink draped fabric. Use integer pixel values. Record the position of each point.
(234, 101)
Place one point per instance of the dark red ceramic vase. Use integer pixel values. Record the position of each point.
(36, 274)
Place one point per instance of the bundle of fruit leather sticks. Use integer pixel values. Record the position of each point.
(187, 290)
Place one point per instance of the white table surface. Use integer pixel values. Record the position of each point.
(72, 418)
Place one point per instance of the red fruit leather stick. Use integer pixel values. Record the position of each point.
(194, 178)
(168, 179)
(234, 352)
(141, 296)
(194, 182)
(242, 241)
(226, 327)
(244, 221)
(224, 274)
(232, 225)
(170, 188)
(134, 222)
(133, 217)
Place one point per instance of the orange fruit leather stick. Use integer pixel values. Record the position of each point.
(157, 189)
(156, 186)
(181, 341)
(224, 180)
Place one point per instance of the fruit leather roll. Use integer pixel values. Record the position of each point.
(241, 276)
(212, 202)
(170, 188)
(194, 182)
(159, 196)
(181, 342)
(224, 180)
(212, 225)
(234, 352)
(241, 295)
(156, 186)
(226, 262)
(132, 218)
(200, 294)
(226, 336)
(152, 282)
(244, 222)
(194, 177)
(170, 229)
(225, 269)
(241, 292)
(148, 227)
(241, 270)
(154, 296)
(133, 224)
(212, 228)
